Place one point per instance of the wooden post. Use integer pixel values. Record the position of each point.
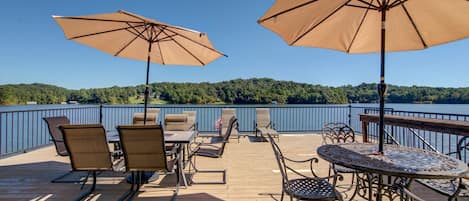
(365, 131)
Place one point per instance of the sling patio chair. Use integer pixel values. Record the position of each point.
(335, 133)
(226, 114)
(88, 150)
(263, 125)
(191, 120)
(306, 187)
(152, 117)
(144, 150)
(455, 188)
(176, 122)
(57, 138)
(212, 150)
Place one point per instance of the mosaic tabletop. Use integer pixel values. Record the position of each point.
(396, 160)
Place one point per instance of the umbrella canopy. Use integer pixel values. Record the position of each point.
(364, 26)
(128, 35)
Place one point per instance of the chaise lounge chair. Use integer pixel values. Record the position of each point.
(263, 125)
(226, 115)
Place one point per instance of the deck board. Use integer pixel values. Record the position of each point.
(252, 175)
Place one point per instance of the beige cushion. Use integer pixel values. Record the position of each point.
(262, 117)
(226, 114)
(176, 122)
(143, 147)
(87, 146)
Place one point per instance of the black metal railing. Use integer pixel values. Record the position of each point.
(22, 130)
(423, 139)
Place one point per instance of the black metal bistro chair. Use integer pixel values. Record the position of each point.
(455, 188)
(335, 133)
(306, 187)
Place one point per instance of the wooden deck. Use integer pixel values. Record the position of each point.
(252, 175)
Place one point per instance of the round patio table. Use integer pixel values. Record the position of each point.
(399, 161)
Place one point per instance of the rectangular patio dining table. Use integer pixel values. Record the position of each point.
(177, 137)
(403, 163)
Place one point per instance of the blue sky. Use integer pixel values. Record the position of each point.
(34, 49)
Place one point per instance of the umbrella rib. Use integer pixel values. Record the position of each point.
(137, 33)
(161, 53)
(364, 7)
(102, 32)
(165, 38)
(358, 29)
(203, 64)
(157, 43)
(396, 3)
(96, 19)
(370, 4)
(148, 22)
(214, 50)
(310, 29)
(415, 26)
(158, 34)
(130, 42)
(286, 11)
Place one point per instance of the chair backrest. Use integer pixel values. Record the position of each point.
(334, 133)
(280, 160)
(463, 146)
(176, 122)
(55, 133)
(226, 114)
(191, 118)
(232, 124)
(87, 146)
(143, 147)
(152, 117)
(263, 117)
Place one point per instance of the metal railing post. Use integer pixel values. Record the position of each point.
(101, 113)
(350, 114)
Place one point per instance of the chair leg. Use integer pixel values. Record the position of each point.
(357, 180)
(196, 170)
(89, 191)
(130, 191)
(281, 198)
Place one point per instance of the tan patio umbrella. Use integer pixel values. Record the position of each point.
(128, 35)
(364, 26)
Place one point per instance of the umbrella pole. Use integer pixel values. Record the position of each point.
(147, 91)
(382, 85)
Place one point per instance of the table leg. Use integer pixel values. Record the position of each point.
(379, 193)
(181, 164)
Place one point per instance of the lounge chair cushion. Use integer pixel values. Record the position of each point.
(138, 118)
(176, 122)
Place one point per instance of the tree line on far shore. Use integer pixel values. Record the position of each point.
(239, 91)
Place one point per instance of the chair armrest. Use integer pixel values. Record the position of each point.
(313, 159)
(310, 160)
(56, 140)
